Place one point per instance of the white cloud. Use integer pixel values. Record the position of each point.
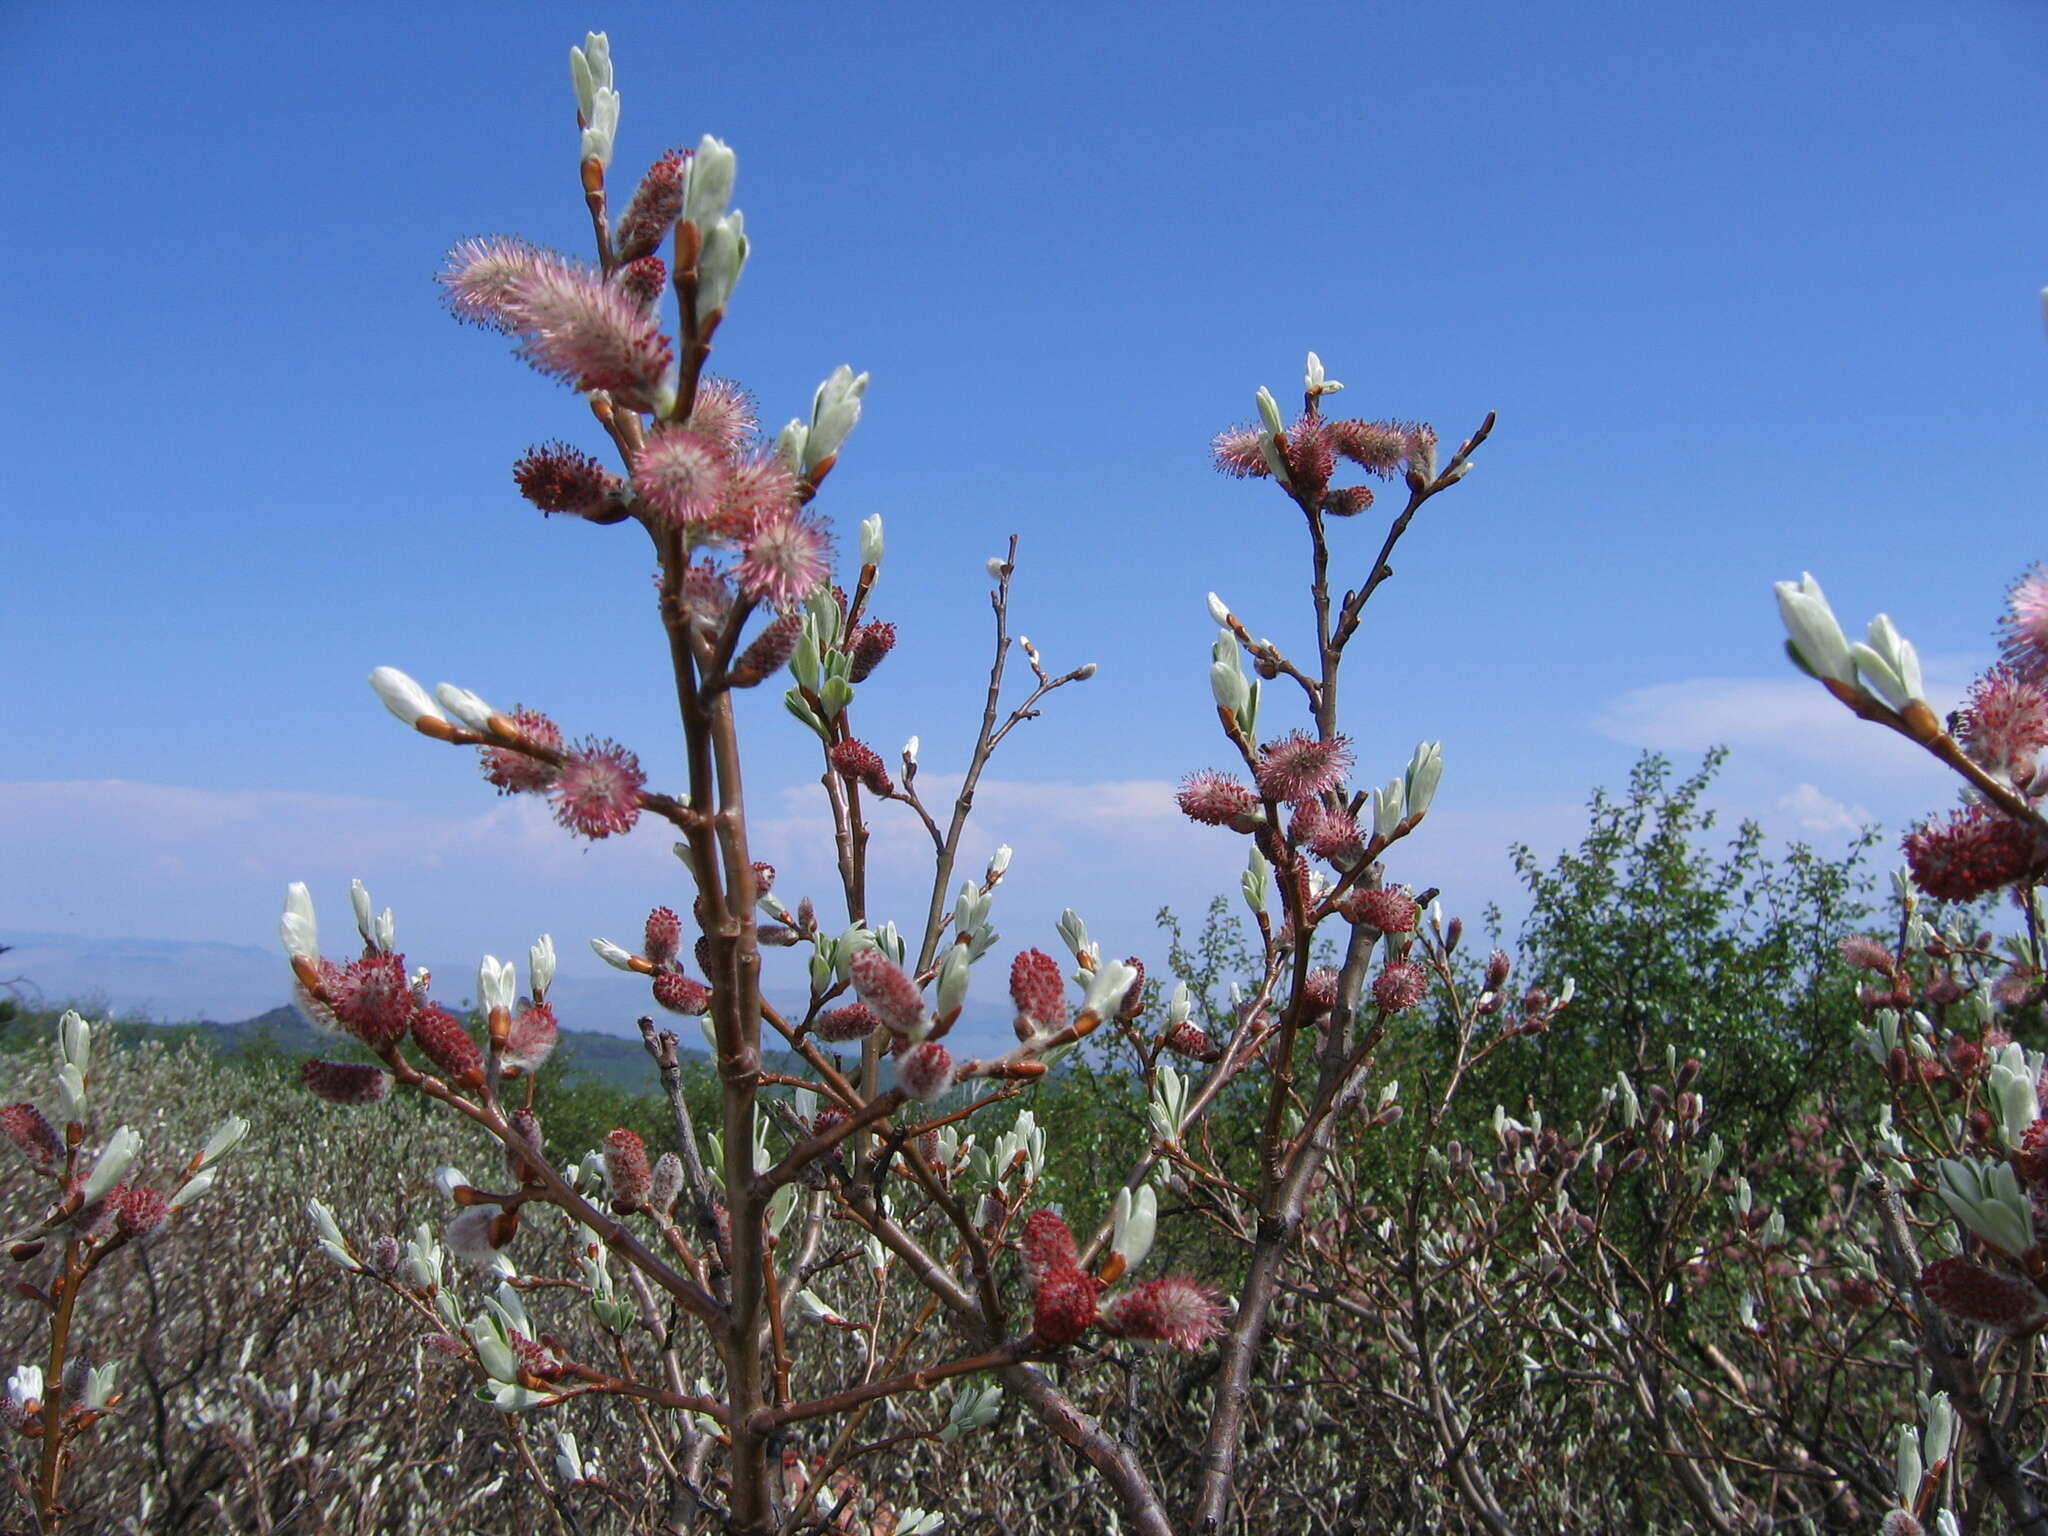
(1818, 812)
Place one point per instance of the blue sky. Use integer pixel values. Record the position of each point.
(1754, 290)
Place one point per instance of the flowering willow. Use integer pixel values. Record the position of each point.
(885, 1158)
(1964, 1135)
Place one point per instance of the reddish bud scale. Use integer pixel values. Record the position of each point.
(514, 772)
(1971, 1293)
(1038, 990)
(1063, 1307)
(1172, 1311)
(869, 643)
(859, 763)
(626, 1166)
(30, 1129)
(344, 1082)
(664, 935)
(884, 988)
(681, 994)
(443, 1041)
(855, 1021)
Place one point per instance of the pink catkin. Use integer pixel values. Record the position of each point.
(1390, 911)
(925, 1071)
(1971, 1293)
(1378, 447)
(597, 792)
(856, 1021)
(1237, 452)
(664, 935)
(681, 994)
(1039, 991)
(1047, 1245)
(514, 772)
(1173, 1311)
(531, 1039)
(1063, 1306)
(141, 1211)
(558, 478)
(372, 999)
(344, 1082)
(483, 278)
(626, 1166)
(443, 1041)
(577, 328)
(1216, 799)
(859, 763)
(1191, 1041)
(724, 412)
(30, 1129)
(1974, 852)
(783, 559)
(2023, 627)
(892, 995)
(2003, 723)
(769, 651)
(656, 202)
(1298, 766)
(1400, 986)
(682, 475)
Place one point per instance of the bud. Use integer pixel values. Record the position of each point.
(871, 540)
(835, 409)
(718, 268)
(540, 964)
(465, 706)
(665, 1184)
(1816, 641)
(114, 1160)
(403, 697)
(707, 187)
(296, 929)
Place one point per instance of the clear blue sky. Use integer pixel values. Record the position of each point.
(1753, 288)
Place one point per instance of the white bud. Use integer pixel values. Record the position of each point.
(226, 1136)
(403, 697)
(1219, 610)
(464, 706)
(789, 444)
(1817, 641)
(835, 409)
(540, 964)
(1425, 771)
(719, 266)
(910, 751)
(1269, 412)
(74, 1040)
(871, 540)
(296, 929)
(496, 984)
(612, 955)
(707, 186)
(996, 566)
(114, 1160)
(998, 863)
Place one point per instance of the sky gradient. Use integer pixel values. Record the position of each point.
(1754, 291)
